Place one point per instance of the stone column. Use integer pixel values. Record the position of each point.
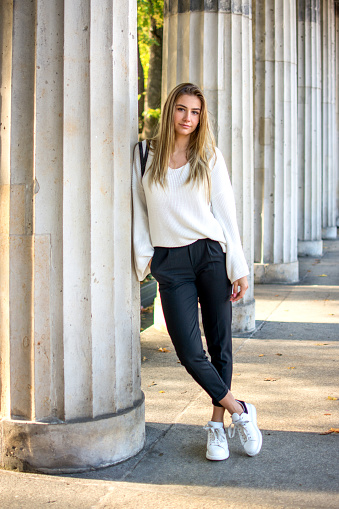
(329, 132)
(70, 373)
(309, 128)
(275, 141)
(210, 44)
(337, 95)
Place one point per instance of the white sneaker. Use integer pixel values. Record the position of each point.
(217, 448)
(246, 425)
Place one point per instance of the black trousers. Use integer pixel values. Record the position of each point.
(186, 274)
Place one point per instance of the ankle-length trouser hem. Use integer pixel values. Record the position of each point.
(186, 274)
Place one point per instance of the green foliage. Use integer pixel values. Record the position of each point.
(152, 113)
(148, 11)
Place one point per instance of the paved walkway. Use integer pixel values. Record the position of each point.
(288, 368)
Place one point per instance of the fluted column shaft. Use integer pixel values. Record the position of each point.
(337, 102)
(70, 352)
(210, 44)
(329, 132)
(309, 128)
(275, 141)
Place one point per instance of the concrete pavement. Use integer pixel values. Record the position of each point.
(288, 368)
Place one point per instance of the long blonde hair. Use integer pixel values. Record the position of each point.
(201, 147)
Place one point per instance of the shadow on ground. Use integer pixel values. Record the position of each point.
(176, 456)
(288, 330)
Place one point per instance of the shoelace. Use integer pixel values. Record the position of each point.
(242, 429)
(215, 434)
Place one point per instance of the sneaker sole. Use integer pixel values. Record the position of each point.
(213, 458)
(253, 415)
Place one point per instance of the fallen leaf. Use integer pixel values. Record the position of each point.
(236, 374)
(276, 296)
(144, 359)
(261, 355)
(270, 379)
(291, 367)
(162, 391)
(153, 383)
(322, 344)
(331, 430)
(327, 414)
(280, 354)
(147, 310)
(333, 398)
(163, 350)
(322, 275)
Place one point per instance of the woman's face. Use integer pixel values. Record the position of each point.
(186, 114)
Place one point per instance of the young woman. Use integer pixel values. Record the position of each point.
(185, 233)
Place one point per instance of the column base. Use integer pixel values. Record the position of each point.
(243, 317)
(72, 447)
(329, 233)
(266, 273)
(310, 247)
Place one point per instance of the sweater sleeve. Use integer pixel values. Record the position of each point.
(142, 246)
(223, 209)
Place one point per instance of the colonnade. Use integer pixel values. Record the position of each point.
(69, 297)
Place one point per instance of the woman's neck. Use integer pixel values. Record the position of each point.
(181, 143)
(179, 155)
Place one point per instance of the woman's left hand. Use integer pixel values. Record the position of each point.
(239, 289)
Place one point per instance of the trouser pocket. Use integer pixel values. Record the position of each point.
(160, 256)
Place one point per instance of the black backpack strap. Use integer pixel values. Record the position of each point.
(143, 157)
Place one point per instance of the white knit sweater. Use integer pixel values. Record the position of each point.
(179, 215)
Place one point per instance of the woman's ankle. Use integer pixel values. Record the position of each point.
(240, 408)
